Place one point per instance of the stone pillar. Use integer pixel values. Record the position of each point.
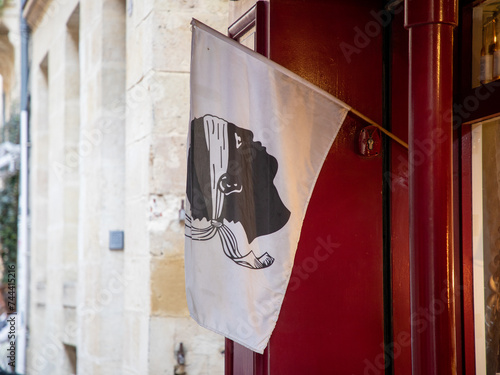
(39, 208)
(54, 189)
(102, 183)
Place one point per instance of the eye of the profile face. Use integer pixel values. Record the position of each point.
(238, 140)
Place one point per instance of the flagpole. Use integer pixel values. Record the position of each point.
(215, 33)
(388, 133)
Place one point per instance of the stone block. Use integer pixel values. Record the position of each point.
(69, 329)
(94, 46)
(136, 238)
(166, 233)
(89, 247)
(114, 42)
(69, 252)
(72, 122)
(168, 160)
(171, 108)
(162, 352)
(158, 242)
(39, 291)
(138, 11)
(71, 195)
(46, 359)
(37, 319)
(114, 8)
(139, 112)
(70, 267)
(91, 96)
(72, 78)
(89, 282)
(113, 83)
(168, 297)
(203, 349)
(137, 291)
(89, 331)
(138, 51)
(113, 182)
(201, 340)
(136, 350)
(171, 41)
(112, 336)
(69, 297)
(109, 298)
(137, 159)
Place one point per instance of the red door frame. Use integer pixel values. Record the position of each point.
(249, 362)
(469, 359)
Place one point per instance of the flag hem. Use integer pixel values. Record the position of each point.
(260, 351)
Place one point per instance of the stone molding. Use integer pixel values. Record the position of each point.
(34, 11)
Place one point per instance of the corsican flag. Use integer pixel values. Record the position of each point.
(258, 137)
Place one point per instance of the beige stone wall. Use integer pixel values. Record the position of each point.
(54, 193)
(110, 112)
(158, 56)
(102, 178)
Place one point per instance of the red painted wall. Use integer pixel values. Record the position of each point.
(332, 317)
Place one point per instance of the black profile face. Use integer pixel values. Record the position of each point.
(249, 194)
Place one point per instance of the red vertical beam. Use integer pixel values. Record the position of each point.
(430, 24)
(467, 258)
(229, 357)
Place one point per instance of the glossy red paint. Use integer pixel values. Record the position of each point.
(457, 241)
(431, 200)
(331, 321)
(332, 317)
(467, 277)
(399, 201)
(317, 330)
(431, 12)
(228, 357)
(242, 361)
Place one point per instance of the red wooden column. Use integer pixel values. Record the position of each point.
(430, 24)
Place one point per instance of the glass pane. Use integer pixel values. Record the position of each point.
(486, 42)
(486, 244)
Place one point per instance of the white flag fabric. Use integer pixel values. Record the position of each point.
(258, 137)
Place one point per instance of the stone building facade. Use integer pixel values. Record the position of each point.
(9, 58)
(109, 86)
